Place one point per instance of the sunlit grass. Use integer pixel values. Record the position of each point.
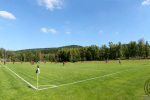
(124, 85)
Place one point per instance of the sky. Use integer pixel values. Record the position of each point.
(27, 24)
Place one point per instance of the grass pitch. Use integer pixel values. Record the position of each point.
(75, 81)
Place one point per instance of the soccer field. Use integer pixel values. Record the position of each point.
(75, 81)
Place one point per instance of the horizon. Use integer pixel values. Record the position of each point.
(29, 24)
(73, 45)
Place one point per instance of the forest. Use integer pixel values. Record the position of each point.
(73, 53)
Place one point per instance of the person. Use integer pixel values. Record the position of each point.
(4, 62)
(63, 63)
(56, 62)
(13, 62)
(106, 61)
(120, 61)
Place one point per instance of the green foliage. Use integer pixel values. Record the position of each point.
(133, 49)
(89, 55)
(147, 51)
(141, 48)
(125, 51)
(77, 53)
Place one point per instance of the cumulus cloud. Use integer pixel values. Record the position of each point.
(6, 14)
(68, 33)
(44, 30)
(50, 4)
(52, 30)
(146, 2)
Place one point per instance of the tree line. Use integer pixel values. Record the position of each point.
(112, 51)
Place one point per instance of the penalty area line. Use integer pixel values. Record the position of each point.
(90, 78)
(22, 78)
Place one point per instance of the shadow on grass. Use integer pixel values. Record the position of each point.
(29, 87)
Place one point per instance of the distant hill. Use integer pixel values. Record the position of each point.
(50, 50)
(71, 46)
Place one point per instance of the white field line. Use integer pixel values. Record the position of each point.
(83, 69)
(22, 79)
(90, 79)
(46, 85)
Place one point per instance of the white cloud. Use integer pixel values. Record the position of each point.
(52, 30)
(51, 4)
(68, 33)
(100, 31)
(6, 14)
(44, 30)
(146, 2)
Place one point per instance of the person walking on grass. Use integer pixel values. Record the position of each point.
(63, 63)
(120, 61)
(4, 62)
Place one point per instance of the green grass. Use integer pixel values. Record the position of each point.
(127, 85)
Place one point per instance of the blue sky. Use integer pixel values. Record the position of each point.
(28, 24)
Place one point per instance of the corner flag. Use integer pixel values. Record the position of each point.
(38, 72)
(38, 69)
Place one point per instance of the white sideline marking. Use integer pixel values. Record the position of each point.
(46, 85)
(22, 78)
(91, 78)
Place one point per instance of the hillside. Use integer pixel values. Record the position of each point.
(50, 50)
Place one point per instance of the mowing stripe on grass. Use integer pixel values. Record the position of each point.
(145, 95)
(21, 78)
(83, 69)
(90, 78)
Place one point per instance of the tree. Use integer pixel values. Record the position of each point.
(83, 53)
(141, 48)
(36, 56)
(133, 49)
(89, 55)
(29, 56)
(125, 51)
(119, 51)
(112, 51)
(103, 53)
(21, 56)
(147, 49)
